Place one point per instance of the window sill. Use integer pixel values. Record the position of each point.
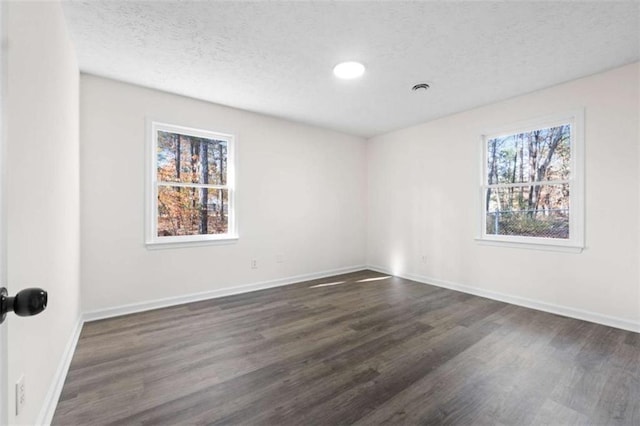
(563, 248)
(159, 245)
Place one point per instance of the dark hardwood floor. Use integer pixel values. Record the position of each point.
(366, 349)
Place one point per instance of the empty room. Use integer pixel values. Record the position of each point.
(320, 212)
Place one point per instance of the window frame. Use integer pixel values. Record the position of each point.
(152, 240)
(575, 242)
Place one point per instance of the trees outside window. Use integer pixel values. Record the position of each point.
(191, 185)
(532, 183)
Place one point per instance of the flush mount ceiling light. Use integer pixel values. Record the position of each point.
(348, 70)
(420, 87)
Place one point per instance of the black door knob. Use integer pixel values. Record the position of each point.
(30, 301)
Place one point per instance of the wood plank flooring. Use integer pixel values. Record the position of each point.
(360, 348)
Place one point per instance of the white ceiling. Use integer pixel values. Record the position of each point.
(277, 57)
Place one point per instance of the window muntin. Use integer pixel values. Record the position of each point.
(191, 190)
(531, 183)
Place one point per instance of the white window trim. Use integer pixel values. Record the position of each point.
(575, 243)
(152, 240)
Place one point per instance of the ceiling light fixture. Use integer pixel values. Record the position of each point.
(348, 70)
(420, 87)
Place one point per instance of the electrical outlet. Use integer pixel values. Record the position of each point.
(20, 395)
(424, 258)
(254, 263)
(279, 258)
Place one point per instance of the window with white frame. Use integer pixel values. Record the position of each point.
(532, 183)
(191, 185)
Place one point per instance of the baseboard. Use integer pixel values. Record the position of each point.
(228, 291)
(520, 301)
(55, 389)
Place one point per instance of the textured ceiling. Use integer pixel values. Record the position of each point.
(277, 57)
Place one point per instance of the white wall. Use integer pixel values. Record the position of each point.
(42, 195)
(301, 194)
(423, 185)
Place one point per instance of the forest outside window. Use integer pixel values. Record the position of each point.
(531, 191)
(191, 190)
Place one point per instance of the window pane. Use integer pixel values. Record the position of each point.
(530, 211)
(539, 155)
(190, 159)
(192, 211)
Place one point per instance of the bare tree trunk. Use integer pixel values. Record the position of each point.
(179, 221)
(534, 144)
(539, 169)
(513, 179)
(195, 155)
(492, 170)
(223, 179)
(177, 138)
(521, 198)
(555, 139)
(204, 205)
(541, 173)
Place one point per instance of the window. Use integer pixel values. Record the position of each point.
(531, 190)
(191, 188)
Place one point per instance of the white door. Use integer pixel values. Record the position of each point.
(4, 386)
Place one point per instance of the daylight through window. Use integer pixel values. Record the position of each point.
(192, 185)
(529, 180)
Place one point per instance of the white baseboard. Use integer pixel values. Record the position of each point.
(566, 311)
(53, 395)
(228, 291)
